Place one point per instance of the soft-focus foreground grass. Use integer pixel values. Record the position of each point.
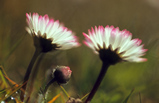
(137, 16)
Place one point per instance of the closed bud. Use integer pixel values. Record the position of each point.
(62, 74)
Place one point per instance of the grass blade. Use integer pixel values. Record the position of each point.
(126, 100)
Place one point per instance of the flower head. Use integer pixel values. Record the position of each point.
(49, 34)
(114, 45)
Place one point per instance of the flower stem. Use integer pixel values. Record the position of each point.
(29, 69)
(33, 77)
(48, 84)
(103, 71)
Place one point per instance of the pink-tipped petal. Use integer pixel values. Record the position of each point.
(142, 60)
(92, 31)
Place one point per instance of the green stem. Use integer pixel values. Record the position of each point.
(103, 71)
(140, 97)
(84, 96)
(29, 69)
(64, 91)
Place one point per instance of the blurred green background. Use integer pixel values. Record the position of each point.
(140, 17)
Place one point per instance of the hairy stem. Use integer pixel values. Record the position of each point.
(33, 76)
(48, 84)
(28, 72)
(103, 71)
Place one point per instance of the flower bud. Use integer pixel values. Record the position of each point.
(62, 74)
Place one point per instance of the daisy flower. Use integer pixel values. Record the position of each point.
(49, 34)
(114, 45)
